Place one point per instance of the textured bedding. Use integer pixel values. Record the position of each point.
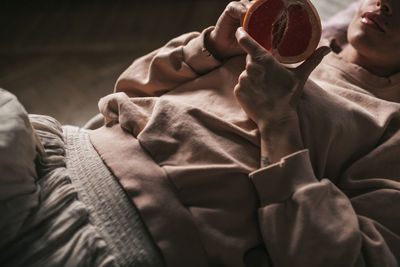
(62, 206)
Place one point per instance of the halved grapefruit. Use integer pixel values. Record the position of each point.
(289, 29)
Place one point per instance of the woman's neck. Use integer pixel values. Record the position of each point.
(382, 69)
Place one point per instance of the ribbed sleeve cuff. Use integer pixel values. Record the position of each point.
(197, 57)
(277, 182)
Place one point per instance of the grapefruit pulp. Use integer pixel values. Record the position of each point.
(289, 29)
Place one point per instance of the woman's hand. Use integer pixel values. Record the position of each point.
(269, 93)
(221, 42)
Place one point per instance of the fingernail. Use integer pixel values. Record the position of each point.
(240, 33)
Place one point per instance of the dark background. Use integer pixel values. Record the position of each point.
(60, 57)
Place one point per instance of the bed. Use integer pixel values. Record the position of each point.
(52, 217)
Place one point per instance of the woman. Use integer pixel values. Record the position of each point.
(329, 173)
(236, 160)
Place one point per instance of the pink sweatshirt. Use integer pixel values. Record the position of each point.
(188, 157)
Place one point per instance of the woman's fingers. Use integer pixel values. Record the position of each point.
(247, 3)
(257, 53)
(264, 69)
(305, 69)
(235, 11)
(249, 45)
(261, 55)
(221, 42)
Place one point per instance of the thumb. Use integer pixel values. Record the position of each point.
(249, 45)
(305, 69)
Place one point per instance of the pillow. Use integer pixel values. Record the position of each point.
(18, 190)
(334, 30)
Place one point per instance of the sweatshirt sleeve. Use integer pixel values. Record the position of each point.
(309, 222)
(180, 60)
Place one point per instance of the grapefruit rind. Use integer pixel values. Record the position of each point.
(315, 31)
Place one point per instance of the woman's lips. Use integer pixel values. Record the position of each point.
(375, 20)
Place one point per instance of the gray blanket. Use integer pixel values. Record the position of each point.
(59, 203)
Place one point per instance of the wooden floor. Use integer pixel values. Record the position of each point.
(60, 57)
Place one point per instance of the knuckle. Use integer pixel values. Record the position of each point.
(260, 57)
(231, 7)
(246, 3)
(243, 77)
(254, 69)
(235, 9)
(263, 59)
(238, 91)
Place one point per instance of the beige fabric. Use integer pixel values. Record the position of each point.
(334, 204)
